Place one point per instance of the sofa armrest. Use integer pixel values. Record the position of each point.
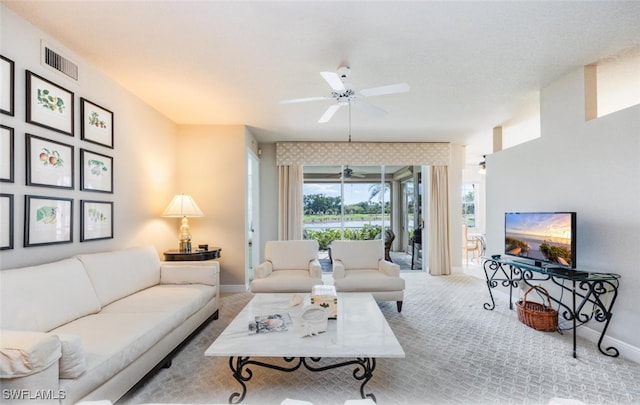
(24, 353)
(205, 272)
(338, 269)
(388, 268)
(263, 269)
(315, 269)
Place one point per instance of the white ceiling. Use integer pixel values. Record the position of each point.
(471, 65)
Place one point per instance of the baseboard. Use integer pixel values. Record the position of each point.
(233, 288)
(626, 350)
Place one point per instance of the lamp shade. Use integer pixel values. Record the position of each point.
(182, 205)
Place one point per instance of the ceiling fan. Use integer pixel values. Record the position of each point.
(343, 93)
(348, 173)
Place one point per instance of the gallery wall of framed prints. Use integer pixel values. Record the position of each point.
(58, 207)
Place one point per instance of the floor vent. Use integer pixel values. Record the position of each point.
(58, 62)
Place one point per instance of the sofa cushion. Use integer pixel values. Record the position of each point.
(25, 353)
(73, 361)
(40, 298)
(358, 254)
(127, 328)
(179, 300)
(191, 273)
(120, 273)
(291, 254)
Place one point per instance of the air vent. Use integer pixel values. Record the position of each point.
(58, 62)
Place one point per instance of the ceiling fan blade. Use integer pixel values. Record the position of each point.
(329, 113)
(305, 99)
(382, 90)
(334, 81)
(370, 108)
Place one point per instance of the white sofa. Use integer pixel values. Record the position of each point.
(90, 327)
(289, 266)
(359, 266)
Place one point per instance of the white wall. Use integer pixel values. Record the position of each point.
(588, 167)
(268, 195)
(143, 155)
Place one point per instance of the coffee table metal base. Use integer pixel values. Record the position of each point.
(239, 365)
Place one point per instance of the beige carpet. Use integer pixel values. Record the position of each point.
(456, 353)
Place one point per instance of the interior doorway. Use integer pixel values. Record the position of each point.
(252, 216)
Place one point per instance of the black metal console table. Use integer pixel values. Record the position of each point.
(589, 292)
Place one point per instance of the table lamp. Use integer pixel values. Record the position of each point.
(183, 206)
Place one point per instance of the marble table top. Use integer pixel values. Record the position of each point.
(360, 330)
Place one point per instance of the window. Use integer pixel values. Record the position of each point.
(345, 203)
(469, 202)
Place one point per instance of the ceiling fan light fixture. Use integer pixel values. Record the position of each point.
(483, 165)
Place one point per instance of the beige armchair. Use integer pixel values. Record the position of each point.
(289, 266)
(359, 266)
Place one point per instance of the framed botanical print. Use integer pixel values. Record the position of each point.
(48, 220)
(49, 105)
(96, 172)
(97, 123)
(6, 154)
(6, 221)
(96, 220)
(7, 89)
(49, 163)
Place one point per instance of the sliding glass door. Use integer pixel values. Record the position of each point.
(364, 202)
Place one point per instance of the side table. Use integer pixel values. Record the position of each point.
(175, 255)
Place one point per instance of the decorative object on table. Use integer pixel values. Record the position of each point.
(270, 323)
(7, 77)
(96, 172)
(296, 300)
(96, 221)
(325, 296)
(536, 315)
(6, 154)
(183, 206)
(314, 320)
(49, 105)
(48, 220)
(6, 221)
(49, 163)
(97, 123)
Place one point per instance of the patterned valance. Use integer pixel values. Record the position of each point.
(362, 153)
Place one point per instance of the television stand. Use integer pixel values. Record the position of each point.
(592, 294)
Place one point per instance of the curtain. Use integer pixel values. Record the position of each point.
(290, 202)
(439, 247)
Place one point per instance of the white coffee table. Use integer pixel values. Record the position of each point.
(360, 333)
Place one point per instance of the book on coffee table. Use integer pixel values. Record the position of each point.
(270, 323)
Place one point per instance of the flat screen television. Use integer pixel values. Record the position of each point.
(544, 237)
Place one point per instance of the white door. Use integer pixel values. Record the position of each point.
(253, 215)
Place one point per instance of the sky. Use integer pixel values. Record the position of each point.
(353, 192)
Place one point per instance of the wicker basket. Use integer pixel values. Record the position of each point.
(535, 315)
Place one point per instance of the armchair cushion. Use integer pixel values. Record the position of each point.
(291, 254)
(358, 254)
